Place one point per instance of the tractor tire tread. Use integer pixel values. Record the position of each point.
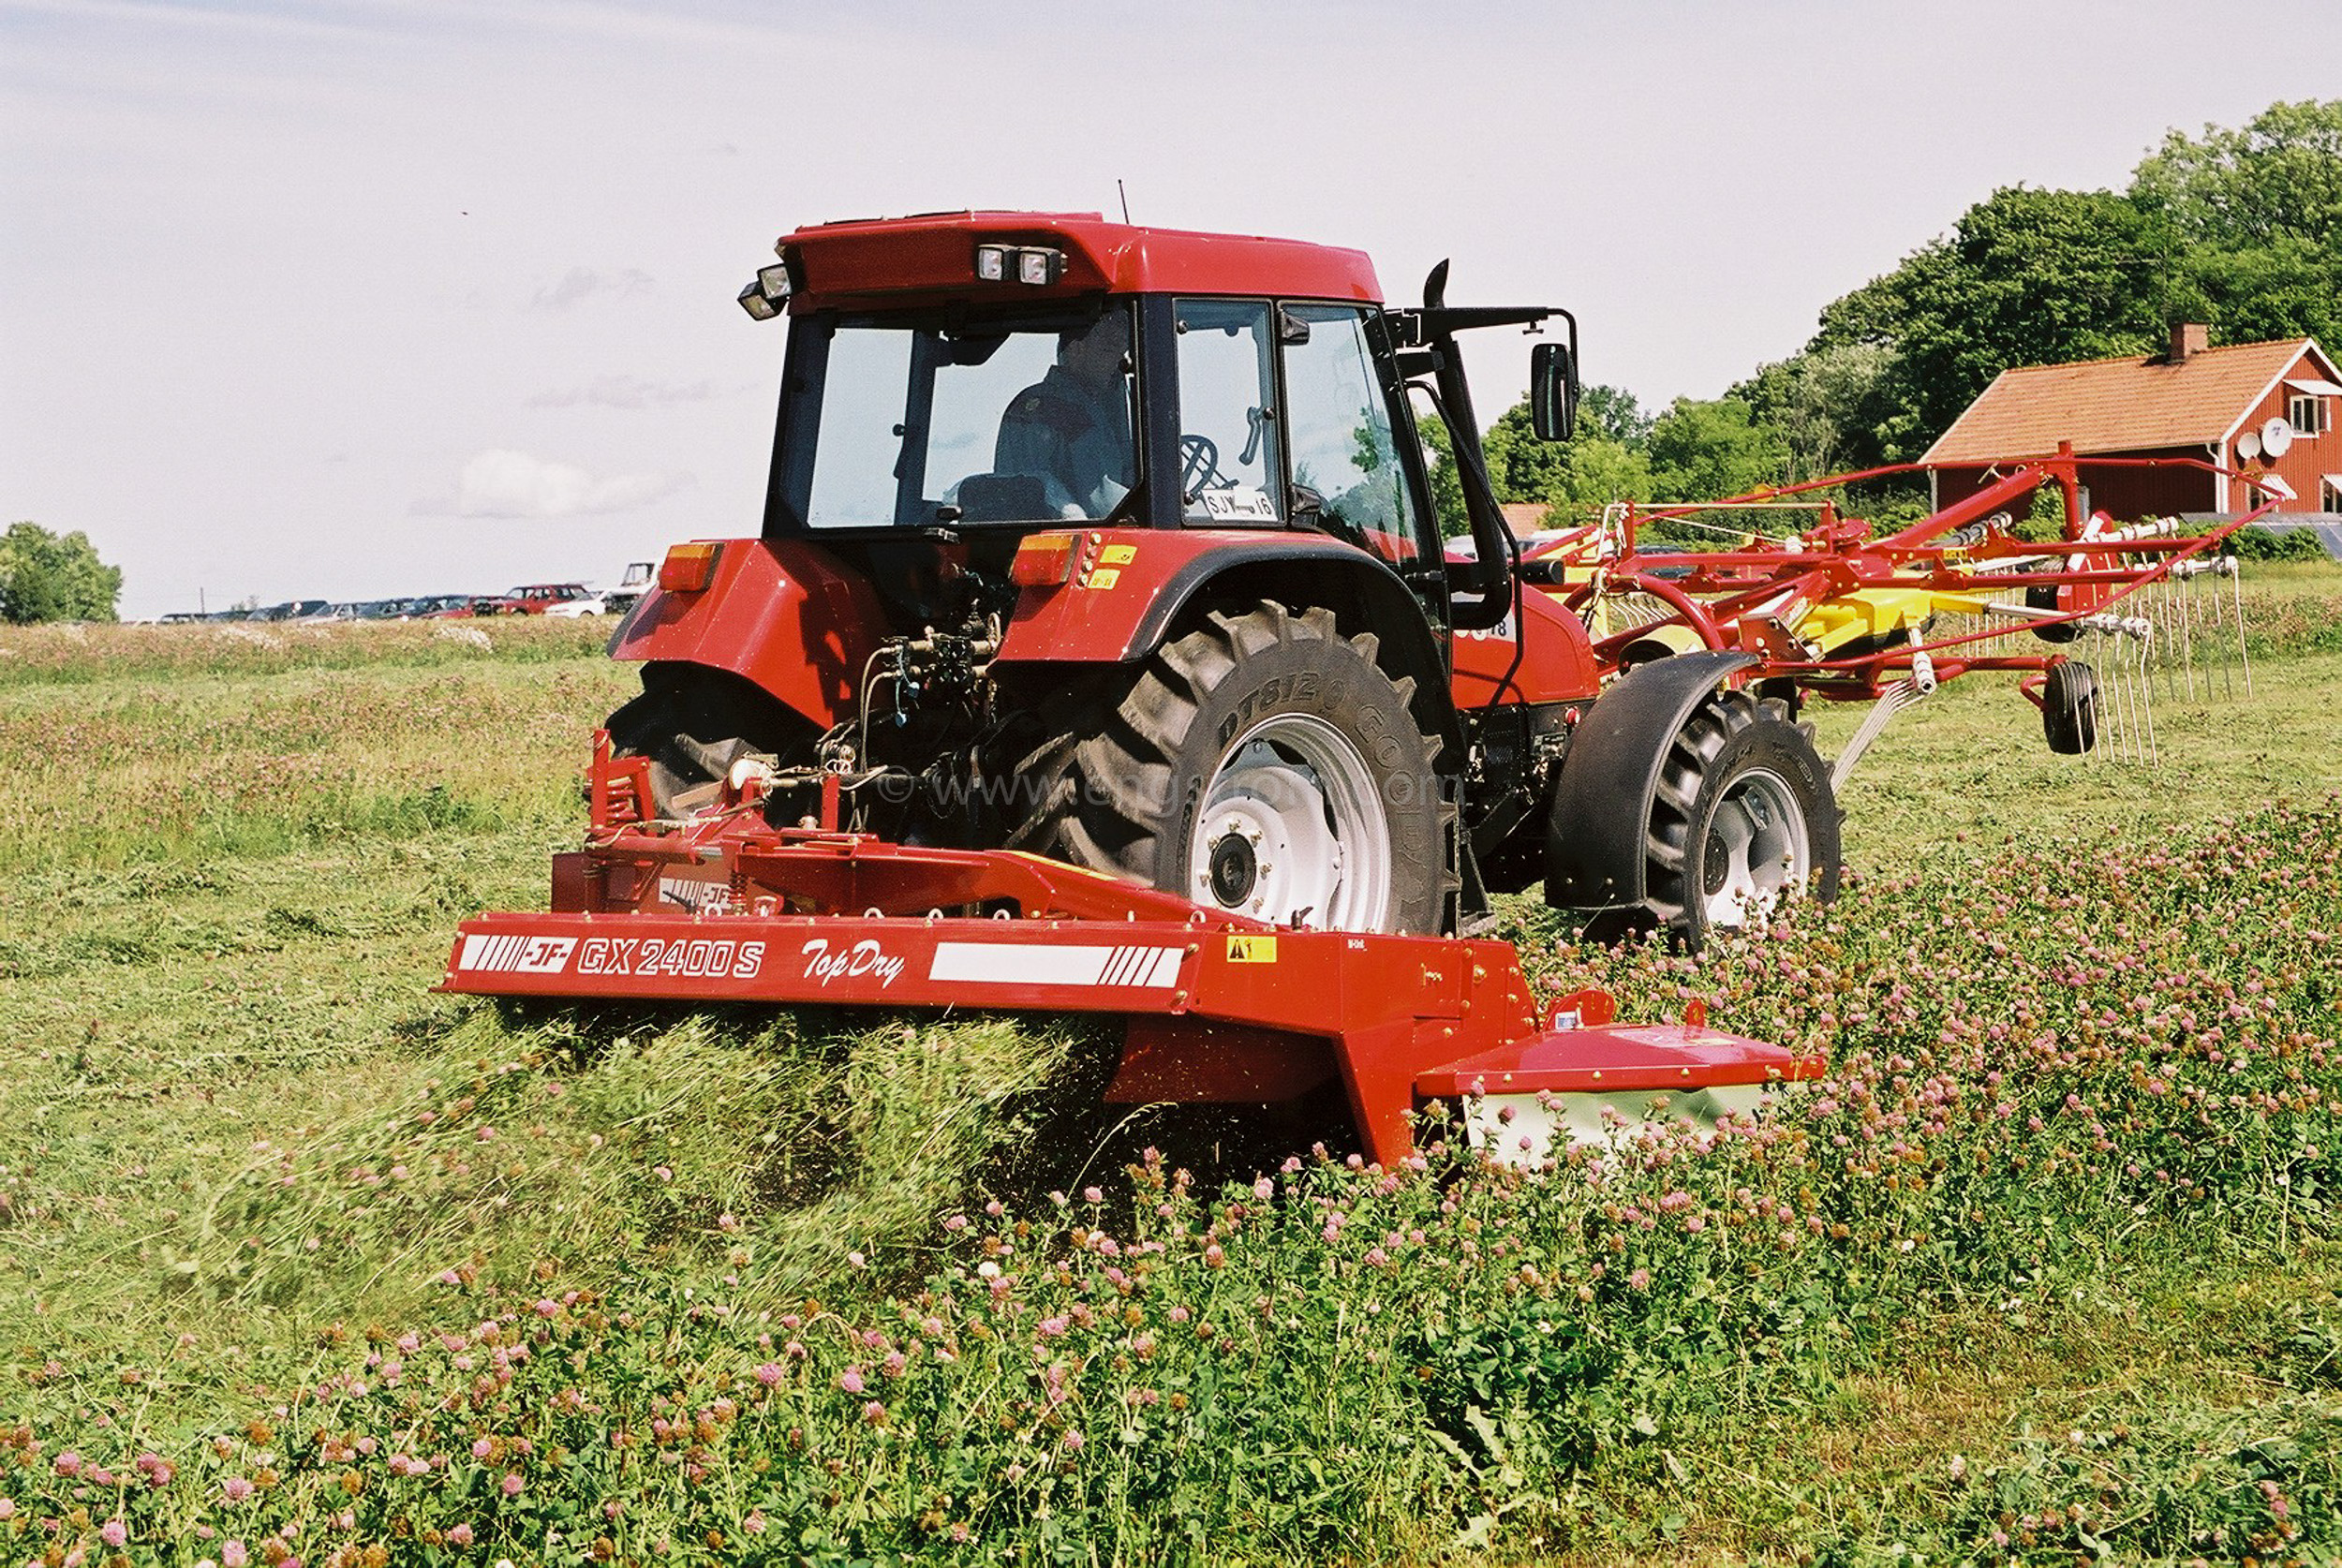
(1672, 901)
(1097, 792)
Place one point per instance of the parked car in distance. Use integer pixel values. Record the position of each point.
(549, 599)
(440, 607)
(293, 610)
(630, 588)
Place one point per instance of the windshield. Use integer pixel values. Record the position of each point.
(896, 422)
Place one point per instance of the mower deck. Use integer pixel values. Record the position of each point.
(1220, 1010)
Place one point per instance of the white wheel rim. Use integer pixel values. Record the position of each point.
(1758, 851)
(1293, 826)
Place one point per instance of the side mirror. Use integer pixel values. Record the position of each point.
(1552, 391)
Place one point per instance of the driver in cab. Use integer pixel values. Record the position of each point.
(1072, 429)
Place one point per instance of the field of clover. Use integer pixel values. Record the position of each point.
(2105, 1062)
(2042, 1272)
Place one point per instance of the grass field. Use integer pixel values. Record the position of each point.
(301, 1258)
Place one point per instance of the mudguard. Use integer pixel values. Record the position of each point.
(1129, 586)
(782, 614)
(1594, 849)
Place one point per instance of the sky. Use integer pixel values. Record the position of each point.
(344, 299)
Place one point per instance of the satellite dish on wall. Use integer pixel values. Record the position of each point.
(2248, 446)
(2276, 436)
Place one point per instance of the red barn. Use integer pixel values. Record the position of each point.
(2236, 407)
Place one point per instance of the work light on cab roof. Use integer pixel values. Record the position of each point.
(767, 294)
(1037, 265)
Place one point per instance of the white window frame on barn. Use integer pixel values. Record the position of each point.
(2330, 493)
(2305, 407)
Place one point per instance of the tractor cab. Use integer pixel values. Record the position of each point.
(965, 380)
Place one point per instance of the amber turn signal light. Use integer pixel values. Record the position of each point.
(688, 568)
(1044, 560)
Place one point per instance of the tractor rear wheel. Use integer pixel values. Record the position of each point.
(1263, 765)
(1742, 819)
(693, 723)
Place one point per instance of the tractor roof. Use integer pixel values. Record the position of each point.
(930, 258)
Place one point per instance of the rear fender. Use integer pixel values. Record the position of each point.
(783, 615)
(1132, 589)
(1593, 855)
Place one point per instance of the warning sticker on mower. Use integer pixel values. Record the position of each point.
(1017, 963)
(1252, 950)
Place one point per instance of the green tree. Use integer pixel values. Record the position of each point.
(1613, 413)
(1706, 451)
(2260, 213)
(1521, 468)
(2278, 178)
(1828, 406)
(2025, 277)
(1602, 463)
(1602, 470)
(1439, 462)
(48, 577)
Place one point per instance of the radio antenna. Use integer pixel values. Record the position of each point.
(1126, 199)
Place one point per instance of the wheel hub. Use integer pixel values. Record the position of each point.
(1756, 850)
(1293, 829)
(1234, 869)
(1715, 863)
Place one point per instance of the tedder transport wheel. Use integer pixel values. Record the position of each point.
(694, 723)
(2069, 708)
(1743, 818)
(1262, 763)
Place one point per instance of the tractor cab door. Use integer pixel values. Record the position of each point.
(1352, 473)
(1287, 415)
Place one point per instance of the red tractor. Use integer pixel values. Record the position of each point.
(1117, 545)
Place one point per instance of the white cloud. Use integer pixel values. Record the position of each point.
(500, 482)
(631, 392)
(580, 284)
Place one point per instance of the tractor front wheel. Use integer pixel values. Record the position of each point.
(1263, 765)
(1742, 819)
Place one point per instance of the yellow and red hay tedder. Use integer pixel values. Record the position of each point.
(1837, 612)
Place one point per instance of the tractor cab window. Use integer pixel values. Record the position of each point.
(1228, 458)
(1072, 429)
(890, 422)
(1346, 475)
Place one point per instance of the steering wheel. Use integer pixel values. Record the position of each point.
(1199, 463)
